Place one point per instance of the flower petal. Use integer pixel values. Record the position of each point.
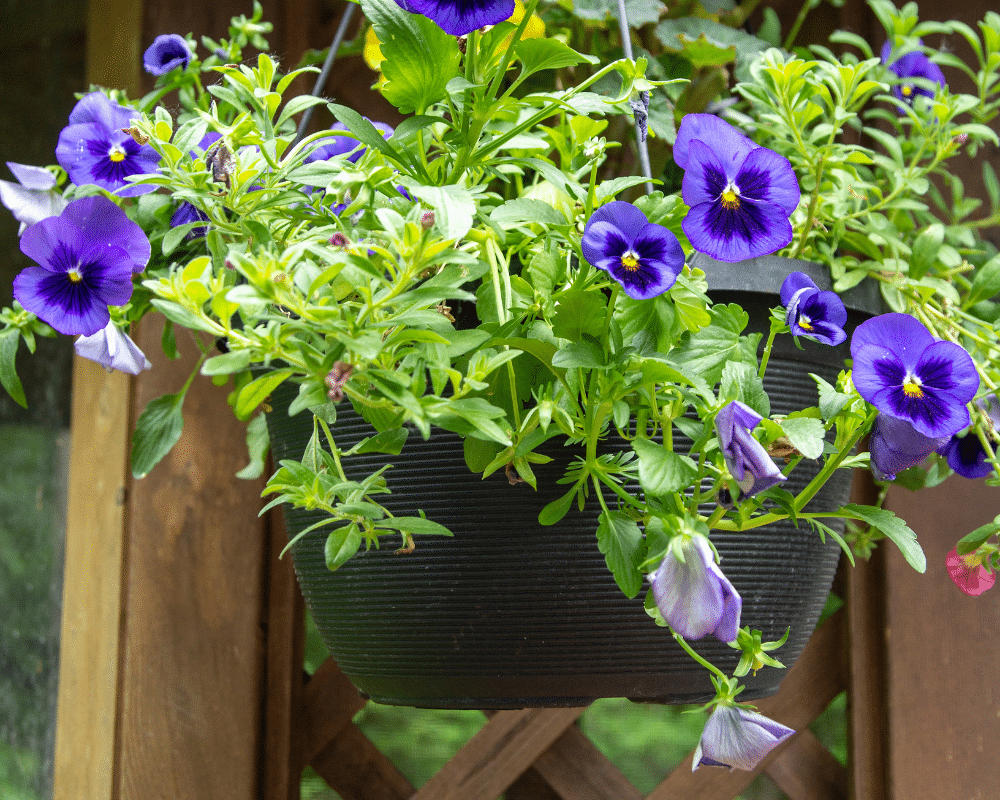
(973, 579)
(793, 283)
(113, 348)
(896, 445)
(753, 229)
(767, 177)
(725, 140)
(735, 736)
(900, 334)
(460, 17)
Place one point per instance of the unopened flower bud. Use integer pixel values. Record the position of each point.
(427, 220)
(339, 240)
(336, 379)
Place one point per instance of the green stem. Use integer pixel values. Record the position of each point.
(797, 25)
(700, 659)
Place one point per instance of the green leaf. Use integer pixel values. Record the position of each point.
(557, 509)
(986, 282)
(454, 208)
(479, 453)
(156, 432)
(420, 58)
(620, 539)
(925, 250)
(227, 363)
(538, 54)
(979, 536)
(639, 12)
(707, 352)
(258, 443)
(831, 402)
(583, 354)
(257, 391)
(578, 313)
(894, 528)
(390, 442)
(9, 340)
(805, 434)
(419, 526)
(522, 211)
(341, 544)
(662, 471)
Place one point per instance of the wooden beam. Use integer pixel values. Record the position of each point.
(358, 770)
(806, 770)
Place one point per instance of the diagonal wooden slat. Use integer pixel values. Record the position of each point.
(329, 703)
(358, 770)
(577, 770)
(806, 770)
(504, 748)
(817, 677)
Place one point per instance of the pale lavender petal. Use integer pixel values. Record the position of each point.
(735, 736)
(114, 349)
(31, 177)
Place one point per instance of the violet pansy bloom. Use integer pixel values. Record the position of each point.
(112, 348)
(167, 52)
(643, 257)
(965, 454)
(746, 458)
(902, 370)
(968, 573)
(333, 146)
(741, 195)
(93, 150)
(896, 445)
(735, 736)
(34, 197)
(912, 65)
(186, 212)
(87, 256)
(809, 312)
(694, 596)
(460, 17)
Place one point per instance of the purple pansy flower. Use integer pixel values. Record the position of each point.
(644, 258)
(965, 454)
(187, 213)
(902, 370)
(746, 458)
(735, 736)
(93, 150)
(741, 194)
(167, 52)
(87, 256)
(809, 312)
(112, 348)
(459, 17)
(896, 445)
(339, 145)
(34, 197)
(912, 65)
(693, 595)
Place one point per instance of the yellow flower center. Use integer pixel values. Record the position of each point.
(117, 153)
(630, 261)
(805, 324)
(730, 197)
(911, 387)
(74, 275)
(906, 90)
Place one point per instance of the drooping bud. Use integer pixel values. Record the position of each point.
(427, 220)
(336, 379)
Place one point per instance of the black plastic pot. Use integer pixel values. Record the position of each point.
(510, 614)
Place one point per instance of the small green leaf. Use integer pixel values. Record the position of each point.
(257, 391)
(341, 544)
(557, 509)
(227, 363)
(156, 432)
(805, 434)
(894, 528)
(620, 539)
(978, 537)
(9, 340)
(258, 443)
(662, 471)
(419, 526)
(579, 312)
(548, 53)
(390, 442)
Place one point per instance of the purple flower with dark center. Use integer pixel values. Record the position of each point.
(459, 17)
(87, 256)
(34, 197)
(902, 370)
(644, 258)
(339, 145)
(746, 458)
(187, 213)
(112, 348)
(896, 445)
(740, 194)
(735, 736)
(809, 312)
(912, 65)
(167, 52)
(93, 150)
(965, 454)
(693, 595)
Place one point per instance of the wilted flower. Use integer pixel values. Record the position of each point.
(809, 312)
(965, 454)
(693, 595)
(896, 445)
(167, 52)
(94, 150)
(734, 736)
(912, 65)
(34, 196)
(113, 348)
(644, 258)
(746, 458)
(969, 573)
(459, 17)
(339, 145)
(87, 256)
(741, 195)
(902, 370)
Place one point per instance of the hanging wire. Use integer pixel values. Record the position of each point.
(325, 72)
(640, 133)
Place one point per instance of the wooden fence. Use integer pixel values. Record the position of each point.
(181, 667)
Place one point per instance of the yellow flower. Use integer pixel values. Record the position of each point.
(373, 50)
(535, 28)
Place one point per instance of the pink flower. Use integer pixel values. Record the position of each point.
(968, 573)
